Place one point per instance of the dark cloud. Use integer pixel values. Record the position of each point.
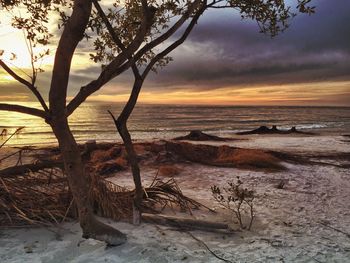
(81, 77)
(14, 92)
(225, 50)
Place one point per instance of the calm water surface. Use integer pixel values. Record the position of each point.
(91, 121)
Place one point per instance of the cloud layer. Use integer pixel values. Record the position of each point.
(227, 55)
(224, 51)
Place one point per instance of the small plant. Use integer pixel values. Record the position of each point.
(237, 199)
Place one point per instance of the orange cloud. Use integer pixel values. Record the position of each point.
(289, 94)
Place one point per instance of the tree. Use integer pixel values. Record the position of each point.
(124, 34)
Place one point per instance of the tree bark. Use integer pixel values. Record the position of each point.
(80, 186)
(78, 179)
(121, 121)
(121, 125)
(135, 169)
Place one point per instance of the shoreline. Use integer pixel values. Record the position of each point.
(229, 136)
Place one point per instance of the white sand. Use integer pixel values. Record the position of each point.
(289, 225)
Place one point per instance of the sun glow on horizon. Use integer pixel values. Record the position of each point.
(320, 93)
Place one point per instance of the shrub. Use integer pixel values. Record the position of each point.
(236, 199)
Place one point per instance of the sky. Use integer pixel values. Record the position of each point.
(224, 61)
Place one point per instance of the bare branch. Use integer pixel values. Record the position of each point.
(24, 109)
(31, 53)
(30, 86)
(214, 2)
(14, 75)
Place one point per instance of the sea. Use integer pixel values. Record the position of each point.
(148, 122)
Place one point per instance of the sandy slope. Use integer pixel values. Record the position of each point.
(290, 224)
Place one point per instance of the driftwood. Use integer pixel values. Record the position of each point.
(26, 168)
(274, 130)
(187, 223)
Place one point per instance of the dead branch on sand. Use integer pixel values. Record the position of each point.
(183, 223)
(41, 196)
(168, 194)
(38, 198)
(335, 229)
(207, 247)
(27, 168)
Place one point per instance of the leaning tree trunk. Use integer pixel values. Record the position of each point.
(79, 183)
(121, 124)
(135, 169)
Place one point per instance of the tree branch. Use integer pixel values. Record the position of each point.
(214, 2)
(168, 33)
(118, 42)
(72, 34)
(139, 79)
(114, 69)
(24, 109)
(176, 43)
(110, 29)
(30, 86)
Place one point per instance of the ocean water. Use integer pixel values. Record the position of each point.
(92, 121)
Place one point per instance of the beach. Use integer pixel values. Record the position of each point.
(305, 220)
(174, 131)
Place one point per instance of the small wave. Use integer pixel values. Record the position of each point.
(311, 126)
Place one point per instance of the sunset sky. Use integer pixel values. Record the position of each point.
(224, 61)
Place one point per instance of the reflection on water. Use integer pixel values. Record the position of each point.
(92, 121)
